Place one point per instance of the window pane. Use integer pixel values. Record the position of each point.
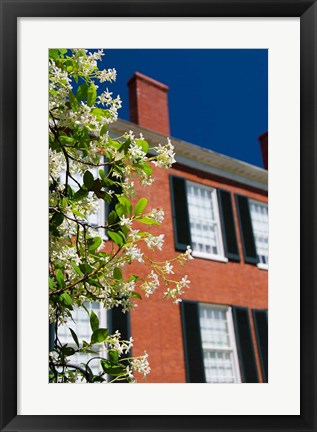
(204, 221)
(259, 217)
(217, 344)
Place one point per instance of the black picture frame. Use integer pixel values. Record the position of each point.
(10, 11)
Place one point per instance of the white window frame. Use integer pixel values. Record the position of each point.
(233, 346)
(214, 199)
(260, 265)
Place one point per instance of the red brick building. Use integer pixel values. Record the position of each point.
(218, 205)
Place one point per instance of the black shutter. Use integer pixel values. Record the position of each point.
(117, 320)
(227, 225)
(51, 335)
(261, 330)
(246, 230)
(194, 362)
(180, 213)
(245, 347)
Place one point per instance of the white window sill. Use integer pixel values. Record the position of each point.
(210, 257)
(262, 266)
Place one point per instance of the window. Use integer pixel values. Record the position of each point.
(259, 218)
(218, 344)
(81, 325)
(253, 221)
(204, 221)
(203, 218)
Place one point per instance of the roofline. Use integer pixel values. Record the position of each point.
(202, 159)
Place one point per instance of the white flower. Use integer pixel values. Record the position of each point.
(133, 253)
(125, 221)
(185, 282)
(168, 268)
(129, 373)
(151, 285)
(165, 155)
(134, 234)
(107, 75)
(136, 153)
(188, 253)
(128, 189)
(157, 241)
(141, 364)
(157, 215)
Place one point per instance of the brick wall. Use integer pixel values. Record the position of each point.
(156, 323)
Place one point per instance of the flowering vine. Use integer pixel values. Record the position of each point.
(87, 259)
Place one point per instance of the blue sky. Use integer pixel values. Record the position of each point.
(218, 99)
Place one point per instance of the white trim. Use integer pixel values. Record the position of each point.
(262, 266)
(212, 257)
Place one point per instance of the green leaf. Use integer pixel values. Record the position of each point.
(60, 278)
(64, 139)
(94, 282)
(89, 180)
(76, 268)
(111, 369)
(94, 243)
(140, 206)
(85, 268)
(94, 321)
(57, 219)
(74, 104)
(53, 53)
(91, 94)
(112, 218)
(98, 378)
(136, 295)
(121, 209)
(80, 194)
(99, 336)
(117, 273)
(74, 336)
(143, 144)
(51, 283)
(78, 213)
(66, 299)
(103, 130)
(113, 356)
(68, 351)
(64, 202)
(148, 169)
(81, 93)
(102, 173)
(148, 221)
(116, 238)
(124, 201)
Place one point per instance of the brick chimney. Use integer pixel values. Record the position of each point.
(264, 149)
(149, 103)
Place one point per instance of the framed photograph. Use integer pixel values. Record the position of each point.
(284, 398)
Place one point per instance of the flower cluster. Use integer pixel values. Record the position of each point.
(90, 250)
